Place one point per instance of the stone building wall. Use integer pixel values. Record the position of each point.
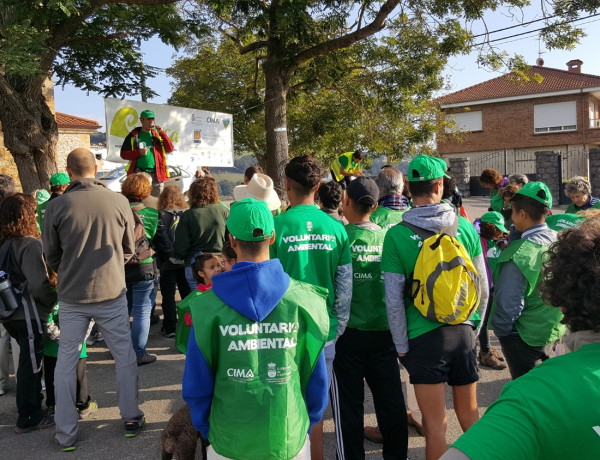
(69, 140)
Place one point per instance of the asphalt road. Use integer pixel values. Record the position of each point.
(160, 397)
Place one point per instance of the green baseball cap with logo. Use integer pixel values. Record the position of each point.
(495, 218)
(423, 168)
(538, 191)
(250, 220)
(147, 114)
(60, 178)
(42, 196)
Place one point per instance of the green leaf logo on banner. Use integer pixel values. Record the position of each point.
(123, 122)
(226, 122)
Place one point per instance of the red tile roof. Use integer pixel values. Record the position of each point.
(508, 85)
(71, 121)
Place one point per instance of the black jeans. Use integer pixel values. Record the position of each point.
(520, 357)
(29, 383)
(83, 397)
(169, 281)
(370, 355)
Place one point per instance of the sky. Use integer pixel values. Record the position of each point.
(461, 71)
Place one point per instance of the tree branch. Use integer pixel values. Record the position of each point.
(244, 49)
(347, 40)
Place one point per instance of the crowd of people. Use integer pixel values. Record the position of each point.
(292, 300)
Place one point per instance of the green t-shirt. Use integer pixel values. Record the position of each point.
(559, 222)
(550, 413)
(493, 253)
(367, 310)
(147, 162)
(311, 245)
(344, 161)
(51, 347)
(496, 201)
(385, 217)
(572, 209)
(400, 251)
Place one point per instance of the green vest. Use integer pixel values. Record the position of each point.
(560, 222)
(337, 165)
(261, 371)
(182, 335)
(493, 253)
(51, 347)
(41, 211)
(385, 217)
(539, 324)
(367, 310)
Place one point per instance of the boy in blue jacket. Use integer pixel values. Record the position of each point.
(255, 377)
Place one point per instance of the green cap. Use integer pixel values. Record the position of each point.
(147, 114)
(538, 191)
(250, 220)
(423, 167)
(60, 179)
(495, 218)
(42, 196)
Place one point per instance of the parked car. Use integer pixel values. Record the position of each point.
(178, 176)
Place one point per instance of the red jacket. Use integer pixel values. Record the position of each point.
(161, 145)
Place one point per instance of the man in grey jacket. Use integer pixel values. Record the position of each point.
(88, 237)
(433, 353)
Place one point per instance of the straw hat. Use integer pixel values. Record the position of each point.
(260, 188)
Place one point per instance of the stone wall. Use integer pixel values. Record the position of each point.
(594, 178)
(69, 140)
(7, 164)
(459, 167)
(548, 172)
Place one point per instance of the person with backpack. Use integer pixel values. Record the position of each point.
(526, 327)
(434, 352)
(139, 272)
(21, 258)
(365, 351)
(171, 205)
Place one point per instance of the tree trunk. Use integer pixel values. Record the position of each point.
(30, 130)
(276, 154)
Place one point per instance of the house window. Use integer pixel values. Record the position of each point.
(467, 121)
(557, 117)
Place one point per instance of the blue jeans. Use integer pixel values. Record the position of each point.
(139, 301)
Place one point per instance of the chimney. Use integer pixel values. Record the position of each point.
(574, 65)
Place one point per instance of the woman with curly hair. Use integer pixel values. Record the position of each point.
(139, 276)
(171, 206)
(202, 227)
(21, 256)
(579, 191)
(492, 179)
(551, 412)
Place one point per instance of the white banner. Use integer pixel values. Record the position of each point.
(201, 138)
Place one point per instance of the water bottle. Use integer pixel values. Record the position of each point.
(8, 301)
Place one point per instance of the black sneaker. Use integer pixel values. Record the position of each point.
(133, 427)
(46, 422)
(154, 319)
(145, 359)
(168, 335)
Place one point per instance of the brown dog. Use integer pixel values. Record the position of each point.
(179, 439)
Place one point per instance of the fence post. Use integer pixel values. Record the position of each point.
(547, 169)
(460, 169)
(594, 156)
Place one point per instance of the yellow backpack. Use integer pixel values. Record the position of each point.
(445, 285)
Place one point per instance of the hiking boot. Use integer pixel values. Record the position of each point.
(46, 422)
(145, 359)
(491, 360)
(133, 427)
(373, 434)
(86, 413)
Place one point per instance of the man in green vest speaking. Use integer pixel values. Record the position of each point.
(255, 377)
(347, 165)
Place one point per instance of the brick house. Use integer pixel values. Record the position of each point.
(501, 122)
